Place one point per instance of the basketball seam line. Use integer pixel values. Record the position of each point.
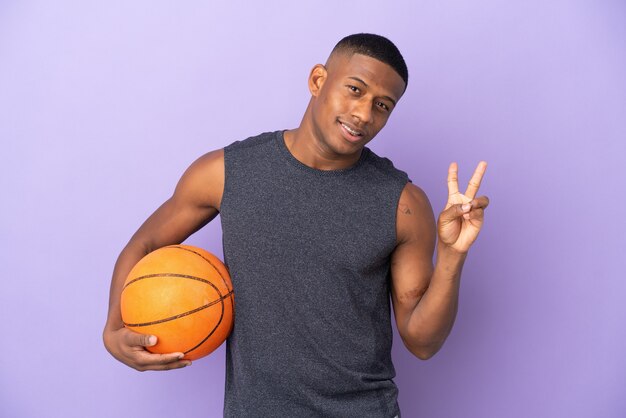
(171, 318)
(183, 276)
(232, 302)
(214, 328)
(205, 259)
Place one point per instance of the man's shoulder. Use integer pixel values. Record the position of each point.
(252, 141)
(385, 167)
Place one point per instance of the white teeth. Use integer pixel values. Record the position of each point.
(353, 132)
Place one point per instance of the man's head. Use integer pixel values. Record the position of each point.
(354, 93)
(374, 46)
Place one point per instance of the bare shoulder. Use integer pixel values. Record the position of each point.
(203, 181)
(209, 164)
(415, 214)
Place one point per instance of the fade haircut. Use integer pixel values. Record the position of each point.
(377, 47)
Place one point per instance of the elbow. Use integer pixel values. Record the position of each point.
(424, 352)
(422, 343)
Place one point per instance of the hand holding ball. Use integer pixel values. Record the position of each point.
(183, 295)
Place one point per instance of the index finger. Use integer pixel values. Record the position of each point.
(145, 360)
(477, 178)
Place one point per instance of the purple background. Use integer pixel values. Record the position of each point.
(103, 106)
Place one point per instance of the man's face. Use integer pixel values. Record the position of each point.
(352, 100)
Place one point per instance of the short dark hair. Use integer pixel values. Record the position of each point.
(377, 47)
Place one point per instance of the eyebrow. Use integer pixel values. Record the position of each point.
(365, 84)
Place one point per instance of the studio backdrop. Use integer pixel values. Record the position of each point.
(103, 105)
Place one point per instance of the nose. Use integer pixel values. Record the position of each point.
(362, 111)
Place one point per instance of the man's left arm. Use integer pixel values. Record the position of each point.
(425, 297)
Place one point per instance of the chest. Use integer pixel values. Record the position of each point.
(344, 224)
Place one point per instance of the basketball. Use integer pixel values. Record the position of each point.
(183, 295)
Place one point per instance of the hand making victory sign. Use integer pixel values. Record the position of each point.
(461, 220)
(425, 297)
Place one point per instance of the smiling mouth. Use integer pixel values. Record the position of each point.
(351, 131)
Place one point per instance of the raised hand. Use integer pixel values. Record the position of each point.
(461, 220)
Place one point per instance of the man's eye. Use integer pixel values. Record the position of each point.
(383, 106)
(354, 89)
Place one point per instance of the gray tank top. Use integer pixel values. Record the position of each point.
(309, 255)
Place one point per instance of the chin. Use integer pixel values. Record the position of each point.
(348, 148)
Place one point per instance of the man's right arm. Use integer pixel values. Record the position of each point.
(195, 202)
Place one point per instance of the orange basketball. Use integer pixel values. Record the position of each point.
(183, 295)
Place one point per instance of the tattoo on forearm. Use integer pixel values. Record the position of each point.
(405, 209)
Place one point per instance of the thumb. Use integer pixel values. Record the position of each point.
(455, 211)
(144, 340)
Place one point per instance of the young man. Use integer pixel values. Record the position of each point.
(318, 231)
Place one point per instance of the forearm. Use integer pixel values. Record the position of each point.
(432, 318)
(125, 345)
(127, 259)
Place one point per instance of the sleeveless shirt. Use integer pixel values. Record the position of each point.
(308, 251)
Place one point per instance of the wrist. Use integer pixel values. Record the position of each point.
(450, 252)
(449, 262)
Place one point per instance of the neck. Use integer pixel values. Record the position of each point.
(310, 147)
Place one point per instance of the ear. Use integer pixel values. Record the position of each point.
(318, 76)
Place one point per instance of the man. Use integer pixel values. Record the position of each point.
(318, 231)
